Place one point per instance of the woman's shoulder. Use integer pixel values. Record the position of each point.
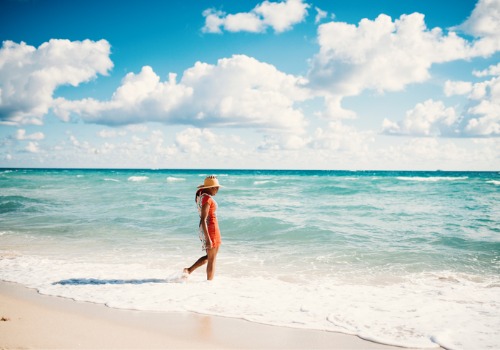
(206, 198)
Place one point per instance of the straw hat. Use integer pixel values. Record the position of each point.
(210, 181)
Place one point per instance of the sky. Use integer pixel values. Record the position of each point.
(224, 84)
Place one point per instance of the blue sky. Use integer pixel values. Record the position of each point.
(250, 84)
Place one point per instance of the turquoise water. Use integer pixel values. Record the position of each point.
(405, 258)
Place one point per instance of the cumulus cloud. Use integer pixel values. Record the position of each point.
(475, 91)
(480, 118)
(140, 97)
(280, 16)
(430, 118)
(21, 135)
(457, 88)
(32, 147)
(491, 70)
(382, 54)
(482, 115)
(192, 140)
(29, 76)
(236, 92)
(483, 119)
(386, 55)
(484, 23)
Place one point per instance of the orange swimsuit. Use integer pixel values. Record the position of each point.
(212, 223)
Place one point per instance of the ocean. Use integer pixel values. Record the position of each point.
(402, 258)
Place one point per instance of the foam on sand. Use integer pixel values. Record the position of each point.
(85, 325)
(421, 310)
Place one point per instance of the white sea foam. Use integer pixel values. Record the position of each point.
(422, 310)
(431, 178)
(113, 180)
(494, 182)
(138, 178)
(262, 182)
(351, 178)
(175, 179)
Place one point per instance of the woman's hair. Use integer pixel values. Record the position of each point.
(200, 191)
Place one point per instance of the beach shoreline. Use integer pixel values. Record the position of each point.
(33, 320)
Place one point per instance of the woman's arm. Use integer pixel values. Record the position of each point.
(204, 214)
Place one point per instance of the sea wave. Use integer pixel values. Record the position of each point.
(175, 179)
(262, 182)
(138, 178)
(10, 204)
(109, 179)
(432, 178)
(494, 182)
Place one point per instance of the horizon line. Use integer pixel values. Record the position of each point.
(244, 169)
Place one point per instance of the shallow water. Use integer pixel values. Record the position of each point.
(403, 258)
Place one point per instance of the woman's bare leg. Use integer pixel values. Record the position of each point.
(200, 262)
(211, 256)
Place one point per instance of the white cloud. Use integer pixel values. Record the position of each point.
(29, 75)
(140, 98)
(135, 151)
(484, 23)
(427, 153)
(381, 54)
(247, 22)
(32, 147)
(334, 110)
(457, 88)
(342, 138)
(386, 55)
(483, 119)
(105, 133)
(192, 140)
(21, 135)
(237, 92)
(213, 21)
(430, 118)
(284, 142)
(320, 15)
(493, 70)
(482, 116)
(280, 16)
(336, 137)
(137, 128)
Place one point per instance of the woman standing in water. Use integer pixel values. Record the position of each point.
(209, 227)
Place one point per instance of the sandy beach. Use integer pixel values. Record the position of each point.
(34, 321)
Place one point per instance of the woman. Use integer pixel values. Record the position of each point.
(209, 227)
